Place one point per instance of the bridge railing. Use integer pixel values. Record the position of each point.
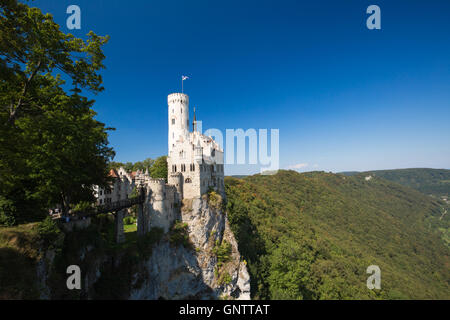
(121, 204)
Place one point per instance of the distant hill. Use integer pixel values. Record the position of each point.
(313, 235)
(238, 176)
(428, 181)
(349, 173)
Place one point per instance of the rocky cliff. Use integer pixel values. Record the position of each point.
(197, 259)
(210, 268)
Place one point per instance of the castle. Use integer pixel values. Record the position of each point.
(195, 165)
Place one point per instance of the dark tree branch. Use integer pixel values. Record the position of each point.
(13, 112)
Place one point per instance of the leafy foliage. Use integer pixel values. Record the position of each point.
(312, 236)
(48, 232)
(52, 150)
(129, 166)
(215, 199)
(159, 168)
(129, 220)
(222, 251)
(179, 235)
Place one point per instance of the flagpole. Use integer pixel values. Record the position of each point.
(181, 84)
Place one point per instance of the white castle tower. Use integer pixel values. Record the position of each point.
(178, 118)
(195, 161)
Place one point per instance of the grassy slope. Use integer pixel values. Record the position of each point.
(313, 235)
(18, 254)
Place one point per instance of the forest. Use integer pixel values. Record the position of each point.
(312, 236)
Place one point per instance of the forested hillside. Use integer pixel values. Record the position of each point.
(429, 181)
(313, 235)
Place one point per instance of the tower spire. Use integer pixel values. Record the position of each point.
(194, 123)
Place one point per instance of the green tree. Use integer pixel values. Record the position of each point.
(143, 165)
(159, 168)
(52, 150)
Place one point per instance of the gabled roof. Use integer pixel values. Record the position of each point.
(113, 173)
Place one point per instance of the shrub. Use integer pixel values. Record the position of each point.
(226, 278)
(214, 199)
(222, 251)
(85, 207)
(48, 231)
(129, 220)
(8, 212)
(179, 235)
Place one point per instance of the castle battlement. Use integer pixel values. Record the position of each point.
(159, 181)
(177, 97)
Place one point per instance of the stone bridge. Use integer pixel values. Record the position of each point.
(119, 210)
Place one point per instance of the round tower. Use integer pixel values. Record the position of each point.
(178, 104)
(176, 179)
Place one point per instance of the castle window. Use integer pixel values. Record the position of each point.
(183, 168)
(173, 121)
(188, 180)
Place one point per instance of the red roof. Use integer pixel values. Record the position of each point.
(113, 173)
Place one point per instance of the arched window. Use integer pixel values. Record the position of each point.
(188, 180)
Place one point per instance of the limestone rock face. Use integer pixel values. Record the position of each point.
(184, 273)
(173, 273)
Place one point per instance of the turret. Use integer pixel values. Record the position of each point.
(176, 179)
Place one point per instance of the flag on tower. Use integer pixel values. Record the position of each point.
(182, 79)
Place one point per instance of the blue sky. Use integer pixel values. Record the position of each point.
(343, 97)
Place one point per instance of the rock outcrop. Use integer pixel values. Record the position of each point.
(209, 269)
